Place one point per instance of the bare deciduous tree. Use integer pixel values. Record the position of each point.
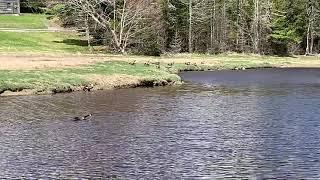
(123, 19)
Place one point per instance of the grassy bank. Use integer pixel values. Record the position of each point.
(118, 71)
(42, 42)
(105, 75)
(25, 21)
(240, 61)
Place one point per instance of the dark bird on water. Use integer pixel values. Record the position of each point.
(187, 63)
(88, 88)
(86, 117)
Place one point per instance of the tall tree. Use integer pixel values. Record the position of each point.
(123, 19)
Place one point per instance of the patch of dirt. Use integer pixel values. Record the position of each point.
(20, 93)
(20, 61)
(30, 61)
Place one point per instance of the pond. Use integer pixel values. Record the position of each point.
(227, 124)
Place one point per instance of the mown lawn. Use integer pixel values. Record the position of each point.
(25, 21)
(49, 42)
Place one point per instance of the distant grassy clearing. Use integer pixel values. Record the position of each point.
(49, 42)
(25, 21)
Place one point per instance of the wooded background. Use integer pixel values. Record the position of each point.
(152, 27)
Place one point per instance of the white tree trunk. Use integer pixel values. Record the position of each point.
(256, 33)
(190, 26)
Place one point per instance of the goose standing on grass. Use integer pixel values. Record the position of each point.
(170, 64)
(133, 62)
(86, 117)
(147, 63)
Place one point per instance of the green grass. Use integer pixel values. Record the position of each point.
(49, 42)
(69, 79)
(65, 80)
(25, 21)
(240, 61)
(44, 42)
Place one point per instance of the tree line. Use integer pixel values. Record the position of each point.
(276, 27)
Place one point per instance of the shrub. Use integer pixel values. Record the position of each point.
(56, 10)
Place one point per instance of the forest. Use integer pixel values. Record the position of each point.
(154, 27)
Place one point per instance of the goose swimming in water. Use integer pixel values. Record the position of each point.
(82, 118)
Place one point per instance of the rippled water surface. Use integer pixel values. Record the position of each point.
(251, 124)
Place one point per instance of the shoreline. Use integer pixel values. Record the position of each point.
(141, 83)
(32, 77)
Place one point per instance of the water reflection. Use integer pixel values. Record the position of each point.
(209, 128)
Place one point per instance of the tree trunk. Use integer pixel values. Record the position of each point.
(238, 25)
(312, 33)
(190, 26)
(308, 35)
(309, 13)
(311, 42)
(224, 26)
(256, 33)
(114, 15)
(212, 26)
(86, 22)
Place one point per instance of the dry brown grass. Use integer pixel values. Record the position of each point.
(17, 61)
(20, 93)
(36, 61)
(103, 82)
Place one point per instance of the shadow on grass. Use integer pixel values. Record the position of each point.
(77, 42)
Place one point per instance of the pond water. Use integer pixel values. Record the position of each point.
(252, 124)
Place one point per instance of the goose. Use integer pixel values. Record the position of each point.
(171, 64)
(147, 63)
(156, 63)
(88, 88)
(82, 118)
(133, 62)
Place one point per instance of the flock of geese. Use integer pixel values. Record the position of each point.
(170, 65)
(158, 64)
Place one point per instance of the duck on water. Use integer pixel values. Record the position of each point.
(86, 117)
